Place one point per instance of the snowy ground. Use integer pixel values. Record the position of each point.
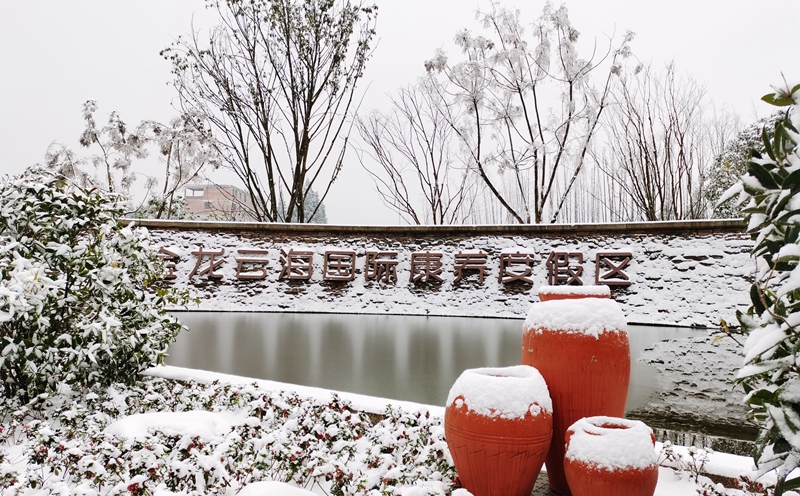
(228, 437)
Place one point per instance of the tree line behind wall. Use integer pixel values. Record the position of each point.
(521, 129)
(516, 127)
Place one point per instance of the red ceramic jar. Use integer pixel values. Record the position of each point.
(610, 457)
(498, 424)
(580, 346)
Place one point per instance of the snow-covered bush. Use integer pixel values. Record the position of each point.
(126, 440)
(75, 301)
(771, 376)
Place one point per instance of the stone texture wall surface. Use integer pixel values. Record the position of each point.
(692, 274)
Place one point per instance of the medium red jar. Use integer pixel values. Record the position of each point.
(498, 424)
(610, 457)
(580, 346)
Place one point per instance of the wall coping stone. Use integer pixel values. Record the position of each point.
(659, 227)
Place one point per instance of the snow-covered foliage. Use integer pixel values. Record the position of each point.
(184, 148)
(525, 108)
(74, 444)
(771, 376)
(76, 304)
(731, 164)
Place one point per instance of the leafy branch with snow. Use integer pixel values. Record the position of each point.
(771, 376)
(78, 298)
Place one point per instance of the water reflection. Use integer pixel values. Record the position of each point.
(399, 357)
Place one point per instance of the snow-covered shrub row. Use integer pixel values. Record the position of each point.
(74, 299)
(771, 377)
(64, 444)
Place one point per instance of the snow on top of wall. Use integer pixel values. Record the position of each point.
(590, 316)
(611, 443)
(506, 392)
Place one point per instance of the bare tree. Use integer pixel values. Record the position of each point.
(499, 101)
(277, 81)
(412, 145)
(661, 141)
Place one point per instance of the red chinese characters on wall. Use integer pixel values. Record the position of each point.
(212, 263)
(564, 268)
(251, 267)
(611, 267)
(339, 265)
(381, 266)
(296, 264)
(514, 266)
(426, 267)
(470, 262)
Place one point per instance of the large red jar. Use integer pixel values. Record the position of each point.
(498, 424)
(580, 346)
(611, 457)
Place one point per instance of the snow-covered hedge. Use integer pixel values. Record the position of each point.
(75, 301)
(771, 377)
(163, 437)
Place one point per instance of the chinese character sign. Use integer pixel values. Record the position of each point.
(381, 266)
(297, 264)
(339, 266)
(611, 266)
(515, 266)
(212, 264)
(257, 265)
(426, 267)
(564, 268)
(470, 262)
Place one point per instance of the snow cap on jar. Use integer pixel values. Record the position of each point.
(506, 392)
(611, 443)
(592, 316)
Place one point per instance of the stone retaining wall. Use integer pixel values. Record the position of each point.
(681, 273)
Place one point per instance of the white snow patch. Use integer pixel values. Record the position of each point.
(763, 339)
(518, 249)
(506, 392)
(790, 250)
(611, 443)
(592, 316)
(194, 423)
(273, 488)
(372, 404)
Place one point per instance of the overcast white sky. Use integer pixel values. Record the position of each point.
(54, 55)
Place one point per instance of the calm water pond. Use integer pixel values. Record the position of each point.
(399, 357)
